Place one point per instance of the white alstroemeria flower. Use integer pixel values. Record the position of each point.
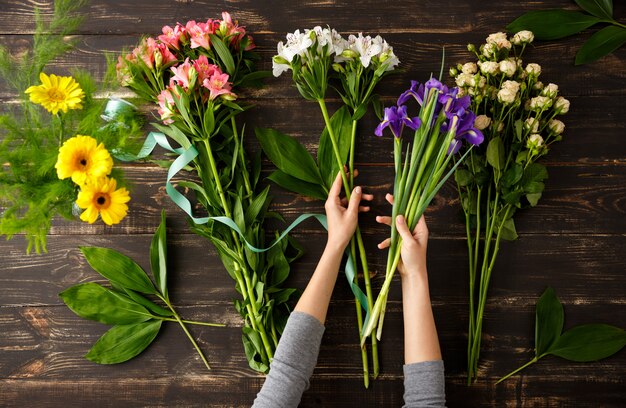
(339, 43)
(499, 40)
(523, 37)
(388, 57)
(533, 69)
(556, 126)
(508, 68)
(367, 48)
(540, 103)
(482, 122)
(532, 125)
(489, 67)
(297, 44)
(551, 90)
(561, 105)
(469, 68)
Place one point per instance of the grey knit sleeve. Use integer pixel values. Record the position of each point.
(424, 385)
(293, 363)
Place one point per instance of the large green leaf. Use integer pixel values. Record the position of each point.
(118, 268)
(94, 302)
(255, 207)
(341, 123)
(548, 321)
(158, 257)
(495, 153)
(224, 53)
(600, 44)
(291, 183)
(121, 343)
(599, 8)
(288, 155)
(552, 24)
(589, 342)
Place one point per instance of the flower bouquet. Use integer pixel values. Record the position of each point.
(194, 74)
(319, 58)
(442, 126)
(56, 133)
(518, 118)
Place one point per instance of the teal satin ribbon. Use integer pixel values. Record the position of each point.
(186, 156)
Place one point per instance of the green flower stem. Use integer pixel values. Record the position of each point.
(168, 319)
(244, 169)
(182, 324)
(359, 319)
(333, 140)
(247, 287)
(533, 361)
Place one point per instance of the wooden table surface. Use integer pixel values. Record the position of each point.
(575, 240)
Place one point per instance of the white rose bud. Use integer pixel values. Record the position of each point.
(469, 68)
(531, 125)
(489, 67)
(534, 141)
(481, 122)
(508, 68)
(533, 69)
(500, 127)
(538, 85)
(540, 103)
(506, 96)
(556, 126)
(523, 37)
(551, 90)
(561, 105)
(489, 49)
(463, 79)
(511, 85)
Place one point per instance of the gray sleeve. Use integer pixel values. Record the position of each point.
(293, 363)
(424, 385)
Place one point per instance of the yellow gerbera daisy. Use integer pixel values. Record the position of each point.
(57, 93)
(101, 197)
(82, 158)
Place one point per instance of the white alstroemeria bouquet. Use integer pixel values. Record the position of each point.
(518, 118)
(443, 123)
(317, 58)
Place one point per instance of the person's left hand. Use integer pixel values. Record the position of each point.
(343, 215)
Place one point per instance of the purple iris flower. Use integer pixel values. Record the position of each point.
(465, 131)
(416, 91)
(396, 118)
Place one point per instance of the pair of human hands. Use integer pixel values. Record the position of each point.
(343, 215)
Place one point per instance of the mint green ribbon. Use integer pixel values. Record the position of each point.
(186, 156)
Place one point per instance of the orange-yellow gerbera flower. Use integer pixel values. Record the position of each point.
(82, 158)
(102, 197)
(57, 93)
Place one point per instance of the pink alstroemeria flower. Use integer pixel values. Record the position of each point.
(218, 85)
(236, 33)
(204, 68)
(171, 36)
(167, 55)
(199, 34)
(145, 51)
(166, 106)
(181, 74)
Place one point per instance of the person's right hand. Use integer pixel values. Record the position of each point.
(413, 252)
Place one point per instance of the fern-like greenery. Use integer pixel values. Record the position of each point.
(30, 192)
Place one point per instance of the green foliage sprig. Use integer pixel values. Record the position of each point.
(584, 343)
(556, 24)
(31, 194)
(136, 319)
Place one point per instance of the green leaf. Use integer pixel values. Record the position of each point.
(118, 268)
(599, 8)
(589, 342)
(552, 24)
(288, 155)
(463, 177)
(158, 257)
(151, 306)
(534, 187)
(341, 123)
(512, 197)
(534, 172)
(533, 198)
(549, 318)
(280, 266)
(95, 302)
(495, 153)
(224, 53)
(296, 185)
(509, 233)
(121, 343)
(512, 175)
(600, 44)
(255, 207)
(252, 345)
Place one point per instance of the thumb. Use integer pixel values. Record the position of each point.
(403, 229)
(355, 200)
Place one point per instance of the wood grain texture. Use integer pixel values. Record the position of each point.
(575, 240)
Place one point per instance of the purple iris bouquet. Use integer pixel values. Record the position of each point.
(443, 125)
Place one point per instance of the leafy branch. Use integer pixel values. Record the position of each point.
(555, 24)
(584, 343)
(136, 319)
